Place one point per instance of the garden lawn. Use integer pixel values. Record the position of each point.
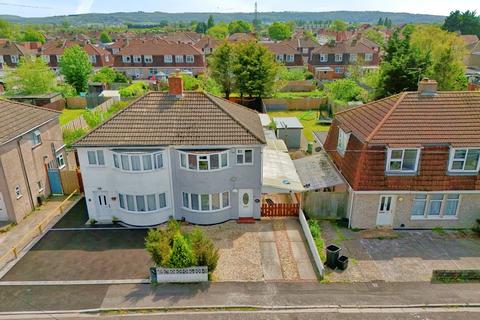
(307, 118)
(70, 114)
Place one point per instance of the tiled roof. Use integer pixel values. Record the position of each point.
(19, 118)
(196, 119)
(409, 119)
(280, 47)
(158, 47)
(348, 46)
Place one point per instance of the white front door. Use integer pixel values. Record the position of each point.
(245, 203)
(3, 209)
(102, 204)
(385, 211)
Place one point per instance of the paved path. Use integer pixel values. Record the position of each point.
(253, 294)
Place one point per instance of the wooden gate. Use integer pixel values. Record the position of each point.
(71, 181)
(280, 210)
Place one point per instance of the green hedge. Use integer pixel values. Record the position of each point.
(135, 90)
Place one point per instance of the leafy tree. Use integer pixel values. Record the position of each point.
(210, 22)
(182, 255)
(345, 90)
(338, 25)
(388, 22)
(239, 26)
(32, 76)
(76, 67)
(402, 67)
(380, 22)
(222, 64)
(447, 51)
(109, 75)
(218, 31)
(308, 35)
(467, 22)
(205, 252)
(201, 27)
(375, 36)
(280, 31)
(6, 30)
(30, 34)
(255, 70)
(105, 37)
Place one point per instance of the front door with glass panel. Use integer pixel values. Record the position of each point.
(385, 211)
(102, 204)
(245, 203)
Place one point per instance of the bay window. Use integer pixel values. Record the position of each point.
(402, 160)
(204, 161)
(142, 203)
(205, 202)
(464, 160)
(138, 162)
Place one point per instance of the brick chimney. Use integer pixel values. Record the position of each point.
(427, 87)
(175, 84)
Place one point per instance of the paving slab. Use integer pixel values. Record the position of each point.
(271, 267)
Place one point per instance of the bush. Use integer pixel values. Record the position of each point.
(93, 118)
(109, 75)
(182, 255)
(294, 74)
(158, 246)
(314, 228)
(346, 90)
(70, 136)
(204, 249)
(134, 90)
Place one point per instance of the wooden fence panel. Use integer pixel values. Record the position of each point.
(280, 210)
(70, 181)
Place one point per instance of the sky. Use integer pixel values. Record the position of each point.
(41, 8)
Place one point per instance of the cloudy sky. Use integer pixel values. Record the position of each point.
(39, 8)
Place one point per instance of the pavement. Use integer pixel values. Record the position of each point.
(234, 294)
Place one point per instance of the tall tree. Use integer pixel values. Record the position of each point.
(76, 67)
(280, 31)
(105, 37)
(402, 67)
(467, 22)
(338, 25)
(32, 76)
(210, 22)
(255, 70)
(221, 64)
(239, 26)
(380, 21)
(218, 31)
(6, 30)
(201, 27)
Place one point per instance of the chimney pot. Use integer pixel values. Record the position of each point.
(175, 84)
(427, 87)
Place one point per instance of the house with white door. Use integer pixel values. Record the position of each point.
(185, 155)
(411, 160)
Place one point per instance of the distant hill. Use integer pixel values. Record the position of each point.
(140, 17)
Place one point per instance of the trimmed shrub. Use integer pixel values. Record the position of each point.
(314, 228)
(182, 255)
(158, 246)
(204, 249)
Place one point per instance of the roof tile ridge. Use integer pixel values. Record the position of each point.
(233, 117)
(389, 113)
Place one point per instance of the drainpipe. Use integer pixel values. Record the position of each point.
(25, 176)
(350, 209)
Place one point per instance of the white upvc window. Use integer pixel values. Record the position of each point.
(402, 160)
(107, 58)
(207, 50)
(167, 59)
(179, 59)
(290, 58)
(204, 162)
(60, 160)
(338, 70)
(148, 59)
(36, 138)
(143, 203)
(279, 57)
(96, 158)
(189, 59)
(1, 59)
(18, 192)
(305, 50)
(353, 57)
(323, 57)
(338, 57)
(464, 160)
(92, 58)
(244, 156)
(138, 162)
(14, 58)
(46, 58)
(342, 141)
(206, 202)
(137, 59)
(58, 57)
(368, 57)
(435, 206)
(126, 59)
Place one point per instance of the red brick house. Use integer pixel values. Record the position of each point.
(331, 61)
(11, 52)
(412, 160)
(143, 59)
(285, 54)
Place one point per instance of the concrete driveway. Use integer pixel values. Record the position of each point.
(412, 256)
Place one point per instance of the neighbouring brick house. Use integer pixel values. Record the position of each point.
(304, 46)
(30, 138)
(331, 61)
(143, 59)
(52, 51)
(285, 54)
(11, 52)
(207, 44)
(412, 160)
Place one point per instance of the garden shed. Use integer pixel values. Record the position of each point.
(289, 129)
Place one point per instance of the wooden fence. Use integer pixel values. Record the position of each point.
(71, 181)
(280, 210)
(80, 123)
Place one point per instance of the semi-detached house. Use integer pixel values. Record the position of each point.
(411, 160)
(186, 155)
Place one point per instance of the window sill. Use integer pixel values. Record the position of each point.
(202, 212)
(245, 164)
(20, 196)
(143, 212)
(462, 173)
(36, 146)
(401, 173)
(61, 167)
(434, 218)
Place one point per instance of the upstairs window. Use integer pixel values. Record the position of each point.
(96, 158)
(18, 192)
(323, 57)
(244, 156)
(46, 58)
(305, 50)
(148, 59)
(167, 59)
(92, 58)
(178, 59)
(368, 57)
(204, 162)
(290, 58)
(138, 162)
(279, 57)
(36, 138)
(60, 161)
(189, 59)
(137, 59)
(402, 160)
(464, 160)
(338, 57)
(353, 57)
(126, 59)
(14, 58)
(342, 142)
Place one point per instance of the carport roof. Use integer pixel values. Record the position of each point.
(317, 172)
(279, 174)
